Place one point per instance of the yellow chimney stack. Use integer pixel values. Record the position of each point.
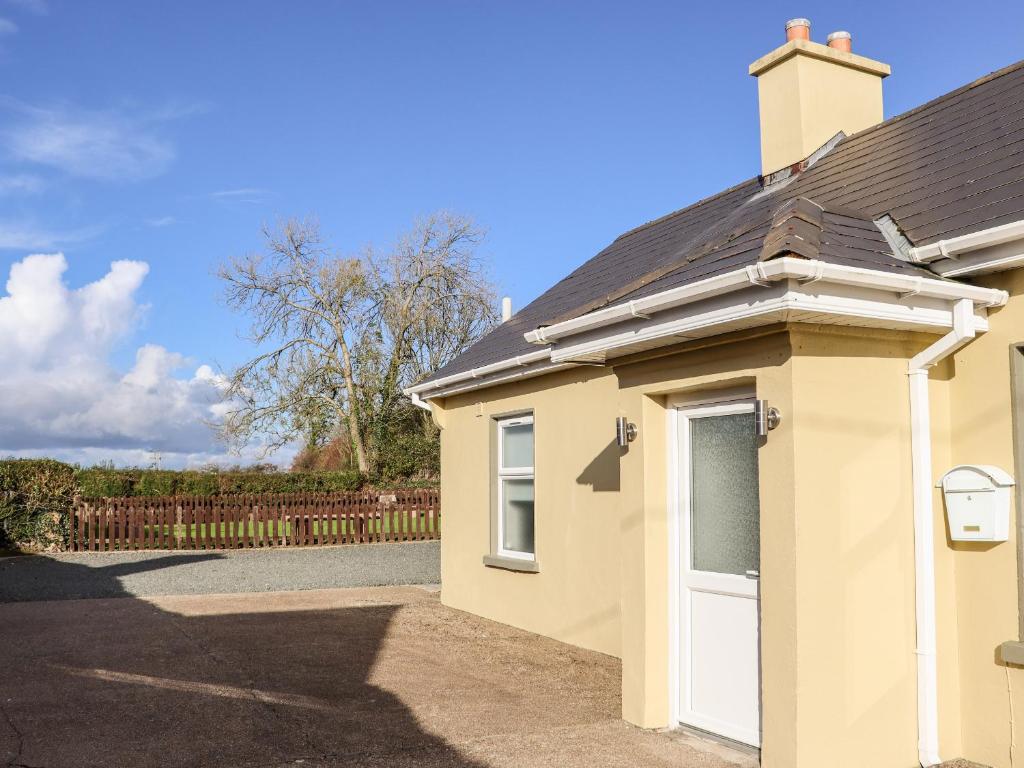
(808, 92)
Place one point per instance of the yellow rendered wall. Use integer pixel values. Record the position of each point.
(837, 568)
(837, 578)
(804, 101)
(762, 366)
(575, 596)
(856, 667)
(985, 595)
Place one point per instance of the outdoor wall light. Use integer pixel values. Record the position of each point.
(765, 418)
(625, 433)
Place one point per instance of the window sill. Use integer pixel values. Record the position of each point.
(1012, 652)
(511, 564)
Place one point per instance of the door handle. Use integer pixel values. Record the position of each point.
(753, 574)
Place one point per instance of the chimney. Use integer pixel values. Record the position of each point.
(840, 41)
(798, 29)
(506, 309)
(809, 92)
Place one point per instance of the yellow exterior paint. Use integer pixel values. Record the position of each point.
(575, 596)
(808, 92)
(856, 669)
(762, 365)
(982, 580)
(837, 563)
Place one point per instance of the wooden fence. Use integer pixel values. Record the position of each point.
(242, 522)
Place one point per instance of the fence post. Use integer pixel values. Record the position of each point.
(245, 521)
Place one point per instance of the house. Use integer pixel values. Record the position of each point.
(713, 450)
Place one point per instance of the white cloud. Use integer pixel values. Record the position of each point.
(242, 195)
(38, 7)
(106, 145)
(25, 236)
(7, 27)
(59, 393)
(21, 183)
(161, 221)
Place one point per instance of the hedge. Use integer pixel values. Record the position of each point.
(95, 482)
(36, 494)
(35, 503)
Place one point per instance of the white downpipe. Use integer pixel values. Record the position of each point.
(924, 527)
(419, 402)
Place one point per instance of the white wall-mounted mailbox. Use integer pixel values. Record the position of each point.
(977, 502)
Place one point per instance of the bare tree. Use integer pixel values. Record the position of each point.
(307, 306)
(343, 336)
(433, 299)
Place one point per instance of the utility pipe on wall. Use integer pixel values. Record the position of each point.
(419, 402)
(924, 527)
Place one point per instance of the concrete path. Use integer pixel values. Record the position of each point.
(140, 574)
(377, 677)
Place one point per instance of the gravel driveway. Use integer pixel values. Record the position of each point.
(140, 574)
(382, 677)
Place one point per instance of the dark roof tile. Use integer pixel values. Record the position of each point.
(949, 167)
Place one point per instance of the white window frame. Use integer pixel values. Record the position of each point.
(514, 473)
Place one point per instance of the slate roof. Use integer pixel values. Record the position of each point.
(952, 166)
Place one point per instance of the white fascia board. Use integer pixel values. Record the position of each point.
(702, 289)
(954, 246)
(995, 258)
(477, 373)
(518, 375)
(783, 302)
(762, 274)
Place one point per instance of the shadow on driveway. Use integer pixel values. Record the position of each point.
(144, 574)
(383, 677)
(41, 577)
(222, 681)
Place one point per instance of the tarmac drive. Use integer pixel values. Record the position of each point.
(386, 677)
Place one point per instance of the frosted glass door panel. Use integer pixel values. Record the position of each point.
(724, 513)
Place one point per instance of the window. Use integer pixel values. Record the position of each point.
(515, 488)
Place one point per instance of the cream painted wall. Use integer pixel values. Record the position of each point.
(575, 596)
(837, 580)
(808, 97)
(856, 668)
(947, 617)
(762, 364)
(837, 577)
(985, 595)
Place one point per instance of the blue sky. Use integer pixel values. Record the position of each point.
(168, 133)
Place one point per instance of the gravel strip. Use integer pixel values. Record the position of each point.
(138, 574)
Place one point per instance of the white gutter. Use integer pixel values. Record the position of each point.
(778, 304)
(762, 273)
(924, 528)
(476, 373)
(950, 249)
(516, 375)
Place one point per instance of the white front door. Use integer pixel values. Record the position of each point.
(719, 544)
